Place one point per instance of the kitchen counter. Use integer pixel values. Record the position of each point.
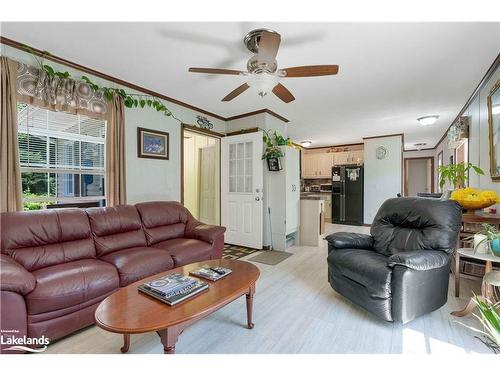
(311, 196)
(315, 194)
(311, 219)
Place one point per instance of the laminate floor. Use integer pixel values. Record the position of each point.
(296, 311)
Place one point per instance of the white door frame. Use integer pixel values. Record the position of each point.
(207, 133)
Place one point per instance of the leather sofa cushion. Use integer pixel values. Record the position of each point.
(407, 224)
(116, 228)
(365, 267)
(70, 284)
(186, 250)
(139, 262)
(44, 238)
(163, 220)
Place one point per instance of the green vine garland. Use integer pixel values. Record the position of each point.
(130, 100)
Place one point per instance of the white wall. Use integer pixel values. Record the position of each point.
(147, 179)
(382, 177)
(419, 154)
(249, 122)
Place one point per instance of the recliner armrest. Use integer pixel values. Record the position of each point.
(14, 277)
(345, 240)
(420, 260)
(204, 232)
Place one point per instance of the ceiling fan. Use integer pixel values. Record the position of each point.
(262, 68)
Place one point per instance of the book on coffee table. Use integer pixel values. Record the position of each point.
(211, 273)
(173, 288)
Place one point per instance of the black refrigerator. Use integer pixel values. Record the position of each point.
(347, 194)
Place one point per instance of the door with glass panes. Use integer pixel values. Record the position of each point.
(241, 189)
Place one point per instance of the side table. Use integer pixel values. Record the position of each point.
(485, 286)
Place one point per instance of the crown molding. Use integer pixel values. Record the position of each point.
(107, 77)
(489, 73)
(265, 110)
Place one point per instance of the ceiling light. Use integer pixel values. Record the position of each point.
(419, 145)
(306, 143)
(262, 82)
(427, 120)
(495, 110)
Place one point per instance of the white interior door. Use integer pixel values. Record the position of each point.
(208, 189)
(242, 182)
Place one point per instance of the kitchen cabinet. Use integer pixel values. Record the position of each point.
(341, 158)
(355, 157)
(317, 165)
(348, 157)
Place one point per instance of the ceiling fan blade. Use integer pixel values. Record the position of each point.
(237, 91)
(311, 70)
(268, 47)
(282, 92)
(215, 71)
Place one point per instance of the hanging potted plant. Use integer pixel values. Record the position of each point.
(273, 151)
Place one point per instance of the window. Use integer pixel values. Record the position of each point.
(61, 157)
(240, 167)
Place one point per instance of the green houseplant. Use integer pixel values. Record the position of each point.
(489, 317)
(457, 174)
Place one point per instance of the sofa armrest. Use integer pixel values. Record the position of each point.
(205, 232)
(345, 240)
(420, 260)
(14, 277)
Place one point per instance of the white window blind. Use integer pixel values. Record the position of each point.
(61, 156)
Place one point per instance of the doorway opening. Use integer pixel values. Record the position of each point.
(419, 176)
(201, 176)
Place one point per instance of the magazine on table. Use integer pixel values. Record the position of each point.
(173, 288)
(211, 273)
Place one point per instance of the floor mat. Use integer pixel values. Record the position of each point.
(271, 257)
(236, 252)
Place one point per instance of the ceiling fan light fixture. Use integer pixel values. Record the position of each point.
(262, 82)
(428, 120)
(306, 143)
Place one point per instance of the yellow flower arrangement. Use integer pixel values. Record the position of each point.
(472, 199)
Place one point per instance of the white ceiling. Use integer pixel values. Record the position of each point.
(390, 73)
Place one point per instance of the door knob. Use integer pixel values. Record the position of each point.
(257, 199)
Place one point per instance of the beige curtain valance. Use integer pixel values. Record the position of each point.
(35, 86)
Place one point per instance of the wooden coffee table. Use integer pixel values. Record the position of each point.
(128, 311)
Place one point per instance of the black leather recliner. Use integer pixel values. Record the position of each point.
(400, 271)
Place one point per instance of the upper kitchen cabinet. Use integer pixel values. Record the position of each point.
(317, 165)
(348, 157)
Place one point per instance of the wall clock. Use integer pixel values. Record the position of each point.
(381, 152)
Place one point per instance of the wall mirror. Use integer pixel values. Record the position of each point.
(494, 132)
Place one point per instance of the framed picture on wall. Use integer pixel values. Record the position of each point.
(152, 144)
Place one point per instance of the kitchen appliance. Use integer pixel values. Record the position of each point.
(347, 194)
(315, 188)
(325, 188)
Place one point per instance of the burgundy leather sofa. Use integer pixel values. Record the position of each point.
(58, 265)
